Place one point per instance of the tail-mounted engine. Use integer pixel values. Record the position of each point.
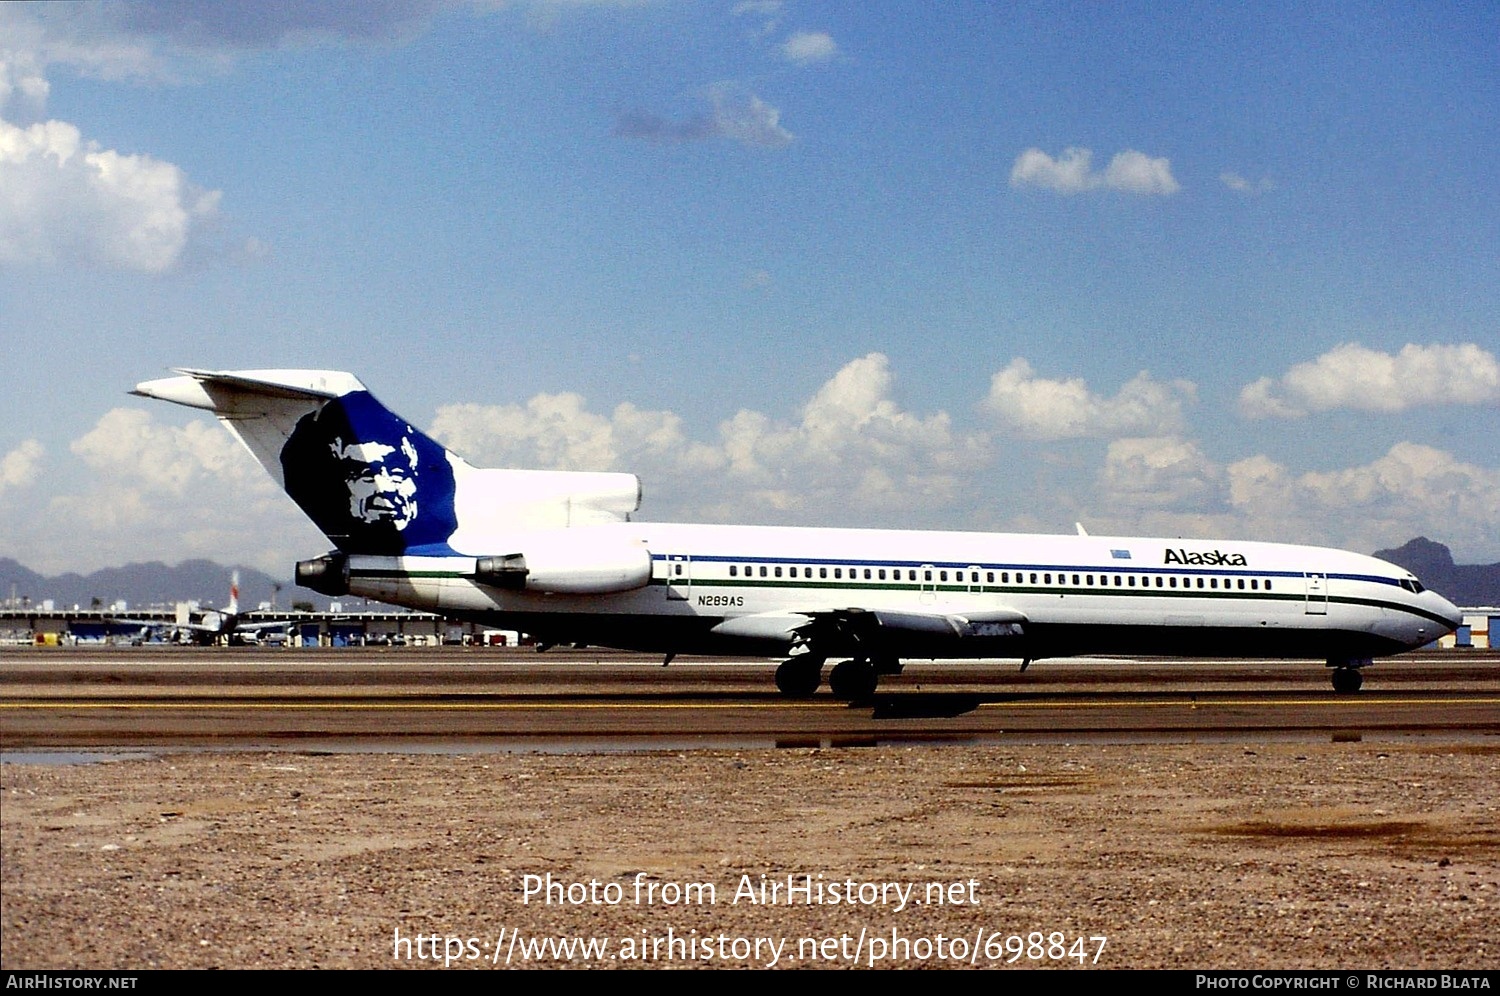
(327, 575)
(567, 564)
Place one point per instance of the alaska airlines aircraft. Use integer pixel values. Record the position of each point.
(555, 554)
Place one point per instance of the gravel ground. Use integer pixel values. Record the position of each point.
(1331, 855)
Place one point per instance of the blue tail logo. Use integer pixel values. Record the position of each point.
(369, 480)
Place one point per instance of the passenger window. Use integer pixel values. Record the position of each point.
(882, 574)
(1268, 584)
(1242, 584)
(838, 573)
(732, 569)
(1254, 584)
(778, 572)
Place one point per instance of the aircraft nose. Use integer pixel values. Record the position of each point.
(1452, 618)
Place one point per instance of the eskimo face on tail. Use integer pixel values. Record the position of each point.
(370, 481)
(382, 480)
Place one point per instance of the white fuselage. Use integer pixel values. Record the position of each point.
(741, 589)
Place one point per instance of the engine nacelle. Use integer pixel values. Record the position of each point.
(569, 562)
(327, 575)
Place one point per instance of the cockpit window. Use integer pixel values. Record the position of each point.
(1412, 585)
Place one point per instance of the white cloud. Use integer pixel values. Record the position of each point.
(20, 466)
(1158, 472)
(733, 114)
(129, 446)
(1354, 377)
(1067, 174)
(808, 47)
(157, 491)
(766, 12)
(1240, 185)
(85, 38)
(1072, 172)
(22, 85)
(1138, 173)
(1413, 490)
(1169, 487)
(66, 200)
(852, 447)
(747, 119)
(558, 432)
(1063, 409)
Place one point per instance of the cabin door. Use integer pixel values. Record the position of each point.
(1317, 594)
(679, 577)
(928, 591)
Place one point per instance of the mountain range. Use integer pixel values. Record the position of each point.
(143, 586)
(1465, 585)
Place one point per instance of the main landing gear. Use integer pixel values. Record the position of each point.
(856, 679)
(1346, 676)
(798, 677)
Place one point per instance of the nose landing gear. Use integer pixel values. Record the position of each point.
(1345, 675)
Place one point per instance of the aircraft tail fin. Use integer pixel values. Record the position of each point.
(372, 482)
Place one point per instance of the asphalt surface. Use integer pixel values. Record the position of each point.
(468, 698)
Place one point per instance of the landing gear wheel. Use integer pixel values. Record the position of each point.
(1346, 679)
(853, 680)
(798, 678)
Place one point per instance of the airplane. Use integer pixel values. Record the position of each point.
(211, 625)
(557, 555)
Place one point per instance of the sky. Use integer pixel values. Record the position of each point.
(1171, 269)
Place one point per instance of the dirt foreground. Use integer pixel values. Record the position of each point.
(1330, 855)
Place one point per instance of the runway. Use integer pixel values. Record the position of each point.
(478, 699)
(301, 808)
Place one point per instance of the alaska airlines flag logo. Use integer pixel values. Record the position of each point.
(369, 480)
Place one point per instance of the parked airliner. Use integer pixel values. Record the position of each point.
(555, 554)
(209, 626)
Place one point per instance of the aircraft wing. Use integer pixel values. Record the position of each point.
(851, 630)
(257, 627)
(854, 630)
(145, 623)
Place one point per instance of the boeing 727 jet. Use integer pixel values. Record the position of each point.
(556, 555)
